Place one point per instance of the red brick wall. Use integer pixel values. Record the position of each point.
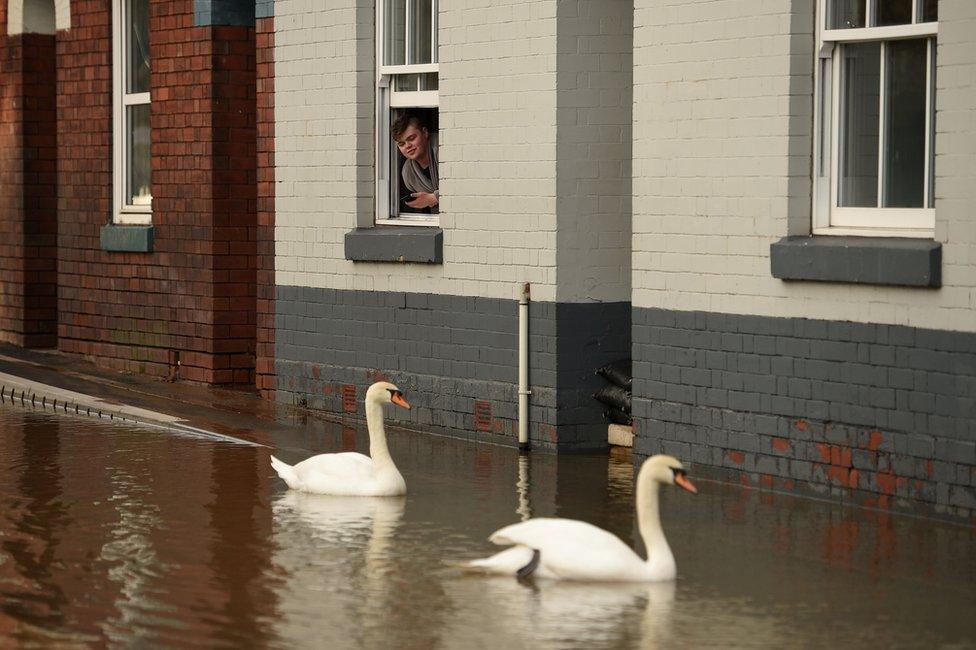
(194, 295)
(28, 170)
(266, 204)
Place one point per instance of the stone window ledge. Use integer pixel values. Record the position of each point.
(127, 238)
(859, 260)
(423, 245)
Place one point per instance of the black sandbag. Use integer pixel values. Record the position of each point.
(620, 373)
(618, 417)
(614, 396)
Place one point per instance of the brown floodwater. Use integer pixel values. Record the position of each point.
(136, 537)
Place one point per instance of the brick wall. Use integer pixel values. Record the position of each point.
(722, 163)
(882, 415)
(28, 169)
(193, 297)
(456, 357)
(498, 130)
(856, 392)
(264, 368)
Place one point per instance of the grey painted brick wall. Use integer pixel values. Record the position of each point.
(884, 415)
(224, 12)
(264, 9)
(446, 352)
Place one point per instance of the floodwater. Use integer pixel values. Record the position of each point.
(128, 537)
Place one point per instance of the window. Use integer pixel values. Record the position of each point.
(875, 117)
(131, 69)
(406, 83)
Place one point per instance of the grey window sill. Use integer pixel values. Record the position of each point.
(129, 239)
(858, 260)
(396, 244)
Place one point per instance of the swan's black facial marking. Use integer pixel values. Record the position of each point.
(677, 471)
(394, 393)
(529, 568)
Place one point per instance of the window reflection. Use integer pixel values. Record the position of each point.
(904, 155)
(845, 14)
(859, 129)
(893, 12)
(138, 47)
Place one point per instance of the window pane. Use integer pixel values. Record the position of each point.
(410, 82)
(893, 12)
(845, 14)
(859, 128)
(394, 41)
(137, 155)
(420, 32)
(930, 11)
(137, 46)
(904, 154)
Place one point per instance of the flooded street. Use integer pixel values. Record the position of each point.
(136, 537)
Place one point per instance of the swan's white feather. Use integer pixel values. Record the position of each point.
(351, 473)
(573, 550)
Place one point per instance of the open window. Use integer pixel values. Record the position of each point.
(875, 118)
(406, 84)
(130, 70)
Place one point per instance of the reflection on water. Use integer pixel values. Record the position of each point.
(127, 537)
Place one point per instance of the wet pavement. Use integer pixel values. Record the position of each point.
(127, 536)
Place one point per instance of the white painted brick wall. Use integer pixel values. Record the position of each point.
(501, 119)
(498, 147)
(722, 135)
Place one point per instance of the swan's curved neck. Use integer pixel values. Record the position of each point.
(378, 450)
(649, 522)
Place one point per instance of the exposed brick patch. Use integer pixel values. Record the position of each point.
(482, 415)
(349, 398)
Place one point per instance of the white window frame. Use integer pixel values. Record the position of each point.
(828, 217)
(387, 99)
(123, 212)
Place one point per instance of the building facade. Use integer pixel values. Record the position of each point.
(764, 206)
(778, 338)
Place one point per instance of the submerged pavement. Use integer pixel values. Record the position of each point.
(73, 385)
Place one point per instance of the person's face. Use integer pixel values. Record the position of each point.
(412, 143)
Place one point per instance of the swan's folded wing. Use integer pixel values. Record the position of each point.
(572, 549)
(345, 468)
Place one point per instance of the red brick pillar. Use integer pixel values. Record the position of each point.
(234, 178)
(28, 178)
(205, 188)
(265, 369)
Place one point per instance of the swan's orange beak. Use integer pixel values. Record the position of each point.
(397, 399)
(682, 481)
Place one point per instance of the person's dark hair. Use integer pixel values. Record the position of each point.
(402, 122)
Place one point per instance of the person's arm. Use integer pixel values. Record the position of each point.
(423, 200)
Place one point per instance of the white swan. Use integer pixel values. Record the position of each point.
(350, 473)
(565, 549)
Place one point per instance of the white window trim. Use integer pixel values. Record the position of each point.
(387, 99)
(828, 218)
(122, 212)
